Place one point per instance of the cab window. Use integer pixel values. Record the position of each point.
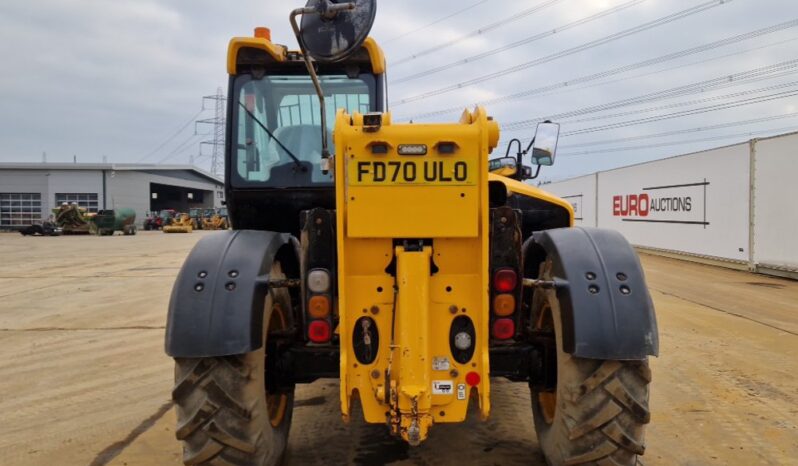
(277, 126)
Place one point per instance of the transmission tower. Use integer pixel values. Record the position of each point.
(218, 120)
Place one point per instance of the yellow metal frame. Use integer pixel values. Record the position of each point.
(376, 55)
(279, 52)
(455, 217)
(515, 187)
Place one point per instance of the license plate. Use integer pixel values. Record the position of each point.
(447, 172)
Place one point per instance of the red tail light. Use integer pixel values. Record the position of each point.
(319, 331)
(504, 280)
(503, 329)
(473, 378)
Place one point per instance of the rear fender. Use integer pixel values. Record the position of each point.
(216, 308)
(607, 312)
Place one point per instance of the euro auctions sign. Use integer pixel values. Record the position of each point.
(676, 204)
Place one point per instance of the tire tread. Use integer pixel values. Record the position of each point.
(203, 388)
(222, 407)
(619, 420)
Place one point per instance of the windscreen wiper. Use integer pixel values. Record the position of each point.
(271, 135)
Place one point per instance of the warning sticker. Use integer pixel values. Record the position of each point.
(442, 387)
(440, 363)
(461, 391)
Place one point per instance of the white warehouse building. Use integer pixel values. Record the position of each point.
(734, 205)
(29, 191)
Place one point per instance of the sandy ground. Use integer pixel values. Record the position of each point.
(83, 377)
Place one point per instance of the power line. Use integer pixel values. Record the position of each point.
(170, 138)
(684, 113)
(192, 158)
(681, 142)
(482, 30)
(688, 102)
(735, 79)
(659, 71)
(645, 63)
(527, 40)
(677, 132)
(180, 148)
(580, 48)
(696, 111)
(690, 112)
(437, 21)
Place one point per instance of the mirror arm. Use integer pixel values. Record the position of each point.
(537, 172)
(519, 158)
(521, 155)
(529, 147)
(327, 8)
(510, 145)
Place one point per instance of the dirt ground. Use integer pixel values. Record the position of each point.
(84, 380)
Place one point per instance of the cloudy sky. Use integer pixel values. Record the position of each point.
(630, 80)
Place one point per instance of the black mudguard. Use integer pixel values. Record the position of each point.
(599, 320)
(216, 307)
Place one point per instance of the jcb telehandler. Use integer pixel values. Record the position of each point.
(399, 259)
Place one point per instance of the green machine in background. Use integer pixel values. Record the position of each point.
(106, 222)
(72, 219)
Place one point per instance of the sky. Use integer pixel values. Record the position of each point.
(628, 80)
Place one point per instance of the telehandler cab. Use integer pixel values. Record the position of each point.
(389, 256)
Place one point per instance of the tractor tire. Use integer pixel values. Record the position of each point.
(225, 415)
(598, 412)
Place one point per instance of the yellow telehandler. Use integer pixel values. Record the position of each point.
(399, 259)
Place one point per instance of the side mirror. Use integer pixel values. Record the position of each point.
(545, 145)
(331, 31)
(505, 166)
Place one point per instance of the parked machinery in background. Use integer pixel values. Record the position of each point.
(197, 216)
(150, 221)
(46, 228)
(157, 220)
(214, 221)
(72, 219)
(106, 222)
(179, 224)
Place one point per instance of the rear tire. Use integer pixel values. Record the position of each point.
(224, 414)
(598, 412)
